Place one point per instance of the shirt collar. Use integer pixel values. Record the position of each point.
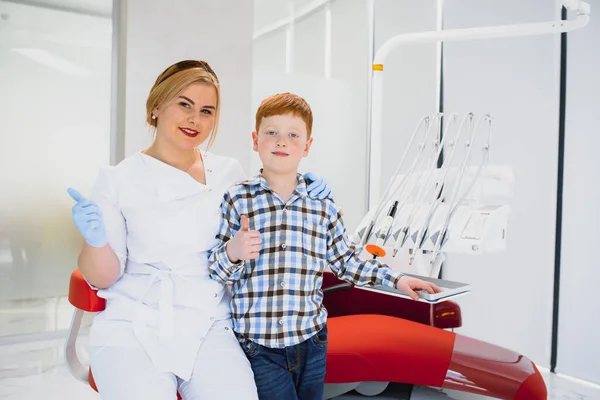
(259, 180)
(170, 183)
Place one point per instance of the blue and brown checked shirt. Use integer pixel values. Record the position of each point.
(277, 298)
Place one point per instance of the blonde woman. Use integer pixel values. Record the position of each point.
(148, 225)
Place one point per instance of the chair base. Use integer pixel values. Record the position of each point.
(371, 388)
(337, 389)
(398, 391)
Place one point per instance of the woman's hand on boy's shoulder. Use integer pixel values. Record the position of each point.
(317, 187)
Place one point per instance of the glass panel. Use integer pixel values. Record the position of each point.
(308, 54)
(267, 12)
(55, 75)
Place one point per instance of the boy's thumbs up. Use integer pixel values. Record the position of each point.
(245, 244)
(244, 220)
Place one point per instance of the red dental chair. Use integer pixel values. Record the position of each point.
(375, 339)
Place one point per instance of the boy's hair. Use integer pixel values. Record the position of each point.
(285, 103)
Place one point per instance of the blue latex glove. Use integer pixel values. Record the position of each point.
(317, 188)
(88, 219)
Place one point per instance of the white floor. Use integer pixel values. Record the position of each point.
(35, 370)
(34, 316)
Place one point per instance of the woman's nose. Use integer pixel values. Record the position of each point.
(192, 119)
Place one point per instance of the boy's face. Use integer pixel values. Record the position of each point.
(281, 143)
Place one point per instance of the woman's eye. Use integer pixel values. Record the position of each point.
(184, 104)
(207, 111)
(271, 132)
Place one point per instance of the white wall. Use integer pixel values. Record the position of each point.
(219, 32)
(338, 102)
(578, 345)
(410, 89)
(516, 80)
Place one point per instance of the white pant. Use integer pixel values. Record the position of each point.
(221, 371)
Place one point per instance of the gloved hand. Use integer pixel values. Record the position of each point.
(88, 219)
(317, 188)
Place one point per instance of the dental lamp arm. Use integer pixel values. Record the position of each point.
(577, 5)
(537, 28)
(488, 32)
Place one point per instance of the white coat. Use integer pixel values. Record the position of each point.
(161, 222)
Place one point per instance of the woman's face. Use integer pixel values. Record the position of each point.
(188, 119)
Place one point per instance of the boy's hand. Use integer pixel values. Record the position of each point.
(245, 245)
(408, 285)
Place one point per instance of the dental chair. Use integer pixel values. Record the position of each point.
(84, 299)
(375, 339)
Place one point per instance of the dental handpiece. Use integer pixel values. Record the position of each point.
(381, 237)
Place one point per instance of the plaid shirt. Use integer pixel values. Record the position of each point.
(277, 298)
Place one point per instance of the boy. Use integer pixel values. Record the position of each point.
(276, 242)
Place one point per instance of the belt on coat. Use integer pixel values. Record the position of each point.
(161, 273)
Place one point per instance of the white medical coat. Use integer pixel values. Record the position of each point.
(161, 222)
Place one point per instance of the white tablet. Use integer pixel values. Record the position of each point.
(450, 290)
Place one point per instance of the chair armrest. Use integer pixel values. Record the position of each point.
(355, 301)
(447, 315)
(335, 288)
(82, 296)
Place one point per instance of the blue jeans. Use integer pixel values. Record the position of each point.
(294, 372)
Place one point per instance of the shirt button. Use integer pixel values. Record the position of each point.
(283, 246)
(280, 322)
(282, 284)
(215, 295)
(212, 318)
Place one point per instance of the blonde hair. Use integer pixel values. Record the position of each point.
(176, 78)
(285, 103)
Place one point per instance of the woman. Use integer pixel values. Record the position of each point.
(147, 227)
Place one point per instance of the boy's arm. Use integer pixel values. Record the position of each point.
(220, 266)
(343, 258)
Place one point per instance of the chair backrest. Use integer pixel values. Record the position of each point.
(84, 298)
